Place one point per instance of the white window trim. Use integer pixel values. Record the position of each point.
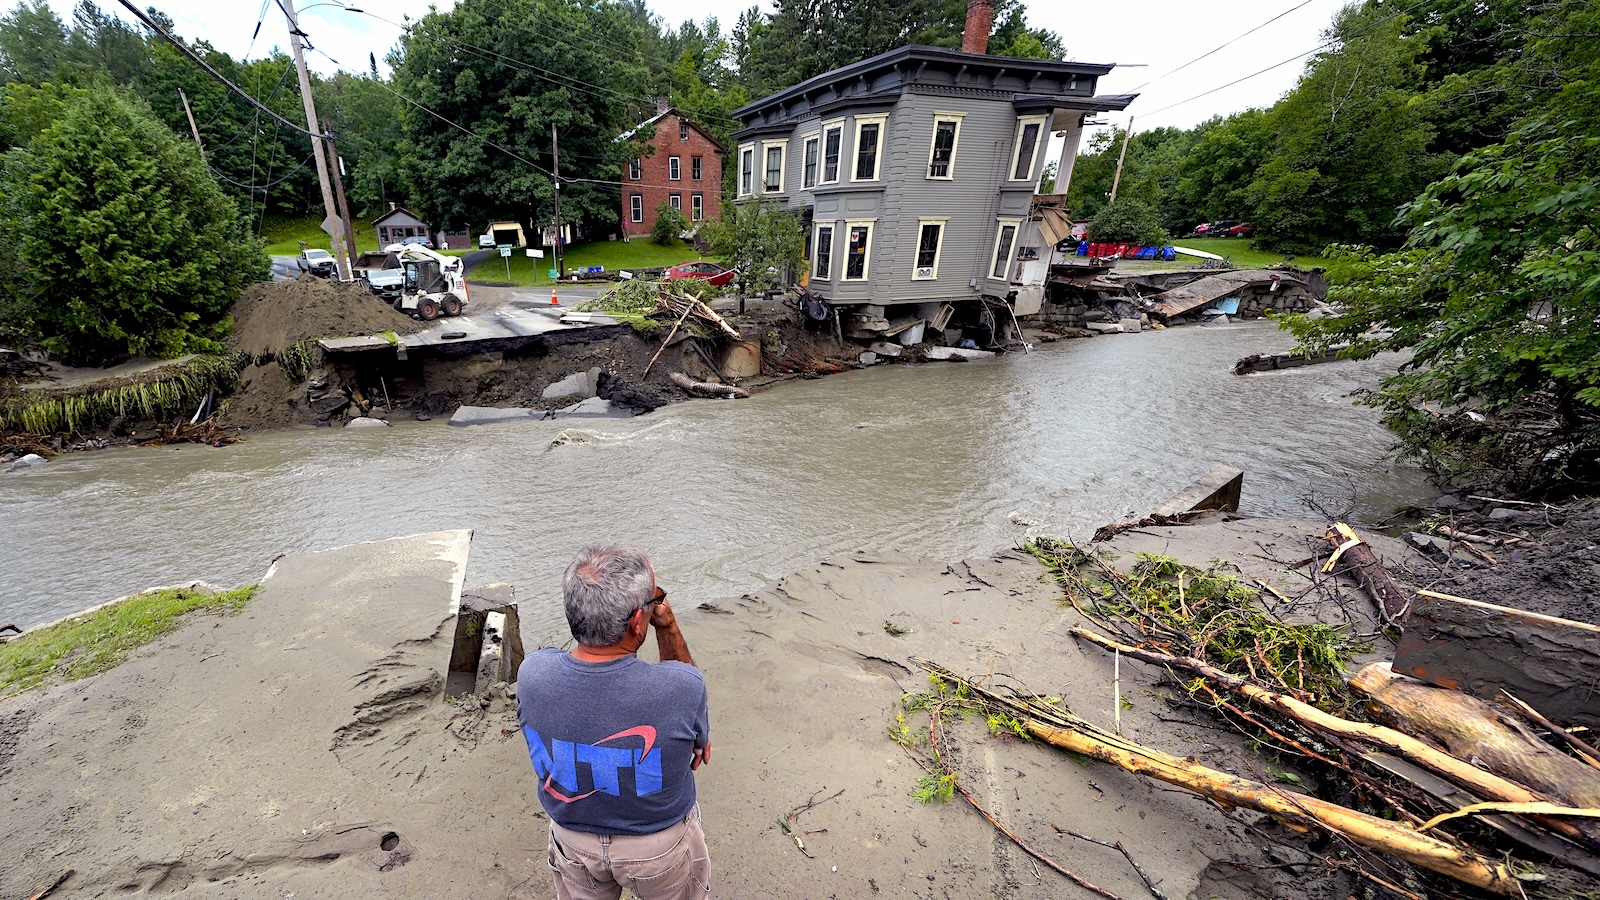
(783, 164)
(822, 152)
(674, 168)
(697, 207)
(740, 188)
(954, 145)
(1016, 149)
(636, 207)
(675, 201)
(833, 249)
(635, 169)
(994, 249)
(877, 157)
(938, 249)
(866, 259)
(814, 137)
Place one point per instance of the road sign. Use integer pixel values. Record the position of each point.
(534, 254)
(505, 250)
(334, 227)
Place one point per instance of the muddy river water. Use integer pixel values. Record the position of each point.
(945, 460)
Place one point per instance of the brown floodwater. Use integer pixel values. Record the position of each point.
(944, 460)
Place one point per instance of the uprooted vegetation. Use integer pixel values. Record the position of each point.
(1384, 800)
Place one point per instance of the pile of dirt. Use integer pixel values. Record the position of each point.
(274, 315)
(1553, 570)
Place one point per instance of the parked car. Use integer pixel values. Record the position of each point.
(486, 242)
(317, 262)
(1202, 230)
(419, 240)
(1243, 229)
(714, 275)
(1220, 227)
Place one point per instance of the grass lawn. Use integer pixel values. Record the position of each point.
(1238, 252)
(92, 643)
(283, 236)
(636, 254)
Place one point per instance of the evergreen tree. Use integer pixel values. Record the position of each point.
(128, 246)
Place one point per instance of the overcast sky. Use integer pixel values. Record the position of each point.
(1160, 34)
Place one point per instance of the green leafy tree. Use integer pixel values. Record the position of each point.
(1497, 294)
(759, 239)
(128, 245)
(1350, 141)
(1131, 220)
(669, 226)
(565, 71)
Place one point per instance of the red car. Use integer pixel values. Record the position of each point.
(1243, 229)
(714, 275)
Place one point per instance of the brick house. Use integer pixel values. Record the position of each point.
(681, 166)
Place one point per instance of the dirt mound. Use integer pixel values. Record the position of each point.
(273, 315)
(1554, 572)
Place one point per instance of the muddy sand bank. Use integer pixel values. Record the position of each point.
(304, 744)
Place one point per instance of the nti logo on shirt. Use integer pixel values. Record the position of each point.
(557, 763)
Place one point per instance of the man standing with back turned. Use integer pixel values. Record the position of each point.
(614, 739)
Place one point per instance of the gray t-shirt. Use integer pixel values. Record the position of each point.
(611, 742)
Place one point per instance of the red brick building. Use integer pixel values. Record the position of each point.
(682, 167)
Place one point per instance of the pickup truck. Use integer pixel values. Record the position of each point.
(317, 262)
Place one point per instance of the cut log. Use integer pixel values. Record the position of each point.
(1392, 600)
(1485, 785)
(1551, 664)
(1470, 728)
(1298, 811)
(706, 388)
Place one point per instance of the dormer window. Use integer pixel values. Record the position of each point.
(683, 129)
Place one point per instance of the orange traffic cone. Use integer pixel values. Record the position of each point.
(553, 300)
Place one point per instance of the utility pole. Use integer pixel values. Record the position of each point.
(561, 254)
(1117, 180)
(338, 189)
(193, 130)
(333, 225)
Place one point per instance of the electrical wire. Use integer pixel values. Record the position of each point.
(184, 48)
(262, 188)
(1323, 46)
(1223, 45)
(456, 125)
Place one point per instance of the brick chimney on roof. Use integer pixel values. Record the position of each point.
(662, 105)
(980, 21)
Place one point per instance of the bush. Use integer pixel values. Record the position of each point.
(129, 246)
(1133, 221)
(670, 225)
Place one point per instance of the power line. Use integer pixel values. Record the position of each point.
(1323, 46)
(1223, 45)
(150, 24)
(464, 129)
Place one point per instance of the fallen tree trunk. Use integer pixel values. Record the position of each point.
(1474, 729)
(1298, 811)
(1392, 600)
(1485, 784)
(706, 388)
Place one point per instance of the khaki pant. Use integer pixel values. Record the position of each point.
(672, 864)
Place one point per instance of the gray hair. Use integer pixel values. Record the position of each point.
(603, 587)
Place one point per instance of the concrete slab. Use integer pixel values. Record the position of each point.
(592, 408)
(956, 354)
(575, 385)
(1217, 489)
(485, 415)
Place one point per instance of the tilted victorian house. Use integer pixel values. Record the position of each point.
(914, 172)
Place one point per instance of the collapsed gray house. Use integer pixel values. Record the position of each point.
(914, 172)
